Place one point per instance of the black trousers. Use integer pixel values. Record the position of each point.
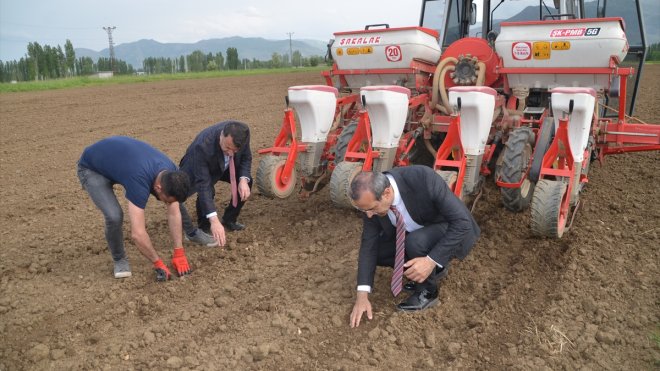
(230, 215)
(418, 244)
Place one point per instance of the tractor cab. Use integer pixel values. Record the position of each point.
(459, 19)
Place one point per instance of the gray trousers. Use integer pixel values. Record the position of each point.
(188, 226)
(100, 191)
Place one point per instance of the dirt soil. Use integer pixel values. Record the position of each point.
(279, 295)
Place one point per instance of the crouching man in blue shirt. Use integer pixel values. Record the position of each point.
(142, 170)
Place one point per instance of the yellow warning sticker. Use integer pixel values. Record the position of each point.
(340, 51)
(561, 45)
(541, 50)
(367, 50)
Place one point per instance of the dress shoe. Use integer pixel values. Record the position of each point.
(419, 300)
(234, 226)
(410, 286)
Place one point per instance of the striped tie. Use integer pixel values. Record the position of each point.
(232, 182)
(397, 275)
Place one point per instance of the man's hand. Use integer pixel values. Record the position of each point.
(162, 273)
(243, 189)
(217, 230)
(362, 305)
(180, 262)
(419, 269)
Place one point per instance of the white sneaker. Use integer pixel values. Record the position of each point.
(122, 269)
(202, 238)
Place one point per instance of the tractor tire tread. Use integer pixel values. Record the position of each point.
(342, 141)
(265, 178)
(512, 169)
(545, 208)
(340, 183)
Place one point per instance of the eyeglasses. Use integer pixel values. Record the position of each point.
(366, 210)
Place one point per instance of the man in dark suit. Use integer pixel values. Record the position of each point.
(218, 153)
(434, 226)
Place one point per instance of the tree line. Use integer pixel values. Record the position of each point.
(654, 52)
(46, 62)
(198, 61)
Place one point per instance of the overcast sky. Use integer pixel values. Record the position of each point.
(52, 22)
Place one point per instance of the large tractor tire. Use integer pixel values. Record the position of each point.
(515, 160)
(420, 154)
(450, 177)
(545, 138)
(547, 220)
(342, 141)
(269, 180)
(340, 183)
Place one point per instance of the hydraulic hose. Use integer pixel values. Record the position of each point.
(438, 78)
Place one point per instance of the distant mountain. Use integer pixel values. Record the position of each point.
(254, 47)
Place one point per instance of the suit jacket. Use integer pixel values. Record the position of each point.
(428, 201)
(204, 162)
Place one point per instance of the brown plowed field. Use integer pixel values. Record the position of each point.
(278, 296)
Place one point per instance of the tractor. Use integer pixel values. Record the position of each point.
(527, 92)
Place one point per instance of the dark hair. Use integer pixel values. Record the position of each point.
(239, 132)
(376, 183)
(175, 184)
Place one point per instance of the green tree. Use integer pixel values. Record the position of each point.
(296, 61)
(61, 62)
(219, 60)
(196, 61)
(654, 52)
(182, 64)
(232, 59)
(70, 54)
(34, 53)
(276, 60)
(87, 66)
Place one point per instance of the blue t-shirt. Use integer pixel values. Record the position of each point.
(129, 162)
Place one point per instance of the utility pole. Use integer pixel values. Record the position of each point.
(290, 49)
(109, 30)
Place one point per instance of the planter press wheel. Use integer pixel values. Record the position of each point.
(269, 177)
(548, 218)
(340, 183)
(515, 160)
(450, 177)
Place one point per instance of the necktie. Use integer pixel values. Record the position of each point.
(397, 275)
(232, 181)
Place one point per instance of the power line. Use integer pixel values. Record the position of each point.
(290, 49)
(47, 27)
(109, 30)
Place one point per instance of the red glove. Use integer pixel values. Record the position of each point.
(162, 273)
(180, 262)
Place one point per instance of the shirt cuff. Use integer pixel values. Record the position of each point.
(211, 215)
(366, 288)
(436, 263)
(244, 177)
